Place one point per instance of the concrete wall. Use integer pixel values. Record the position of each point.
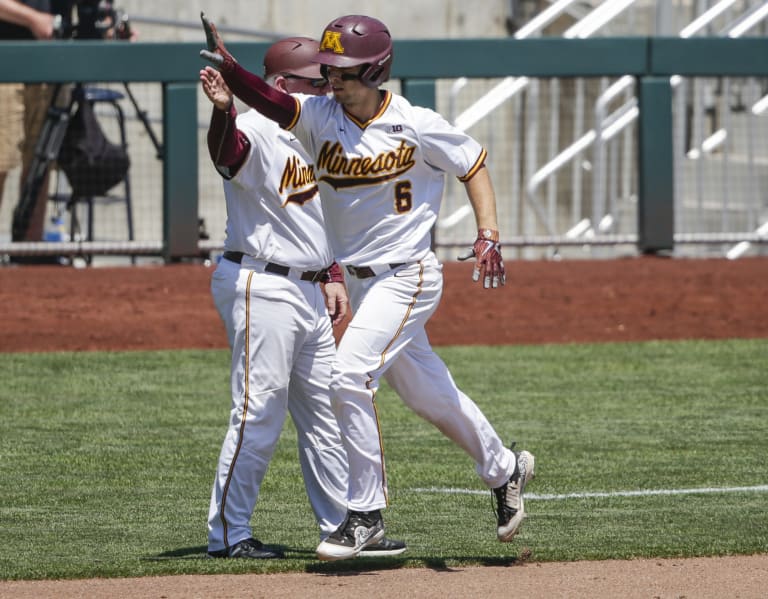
(415, 19)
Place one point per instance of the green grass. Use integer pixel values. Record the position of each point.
(106, 460)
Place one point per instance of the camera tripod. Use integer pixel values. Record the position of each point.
(48, 147)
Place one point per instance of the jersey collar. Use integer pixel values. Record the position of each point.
(387, 99)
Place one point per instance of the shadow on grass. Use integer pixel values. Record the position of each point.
(362, 565)
(201, 552)
(352, 567)
(198, 552)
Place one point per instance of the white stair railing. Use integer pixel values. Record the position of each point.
(508, 87)
(606, 127)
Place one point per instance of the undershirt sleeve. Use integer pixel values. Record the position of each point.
(227, 145)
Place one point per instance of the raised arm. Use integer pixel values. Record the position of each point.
(251, 89)
(227, 145)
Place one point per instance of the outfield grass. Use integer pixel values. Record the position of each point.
(106, 460)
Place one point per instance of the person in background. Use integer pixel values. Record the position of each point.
(23, 107)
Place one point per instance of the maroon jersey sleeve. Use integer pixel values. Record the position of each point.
(227, 145)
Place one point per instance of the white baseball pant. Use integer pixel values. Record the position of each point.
(282, 350)
(386, 337)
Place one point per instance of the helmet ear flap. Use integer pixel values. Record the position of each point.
(371, 75)
(377, 72)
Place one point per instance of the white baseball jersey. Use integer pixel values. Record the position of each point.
(286, 228)
(370, 220)
(382, 184)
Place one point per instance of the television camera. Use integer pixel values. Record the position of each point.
(90, 20)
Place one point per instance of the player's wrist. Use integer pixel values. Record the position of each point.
(488, 234)
(226, 106)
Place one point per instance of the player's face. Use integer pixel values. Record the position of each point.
(346, 85)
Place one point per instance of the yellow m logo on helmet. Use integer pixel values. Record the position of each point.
(332, 41)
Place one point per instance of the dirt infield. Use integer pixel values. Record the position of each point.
(58, 308)
(705, 578)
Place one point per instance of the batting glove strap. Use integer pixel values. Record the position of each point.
(334, 274)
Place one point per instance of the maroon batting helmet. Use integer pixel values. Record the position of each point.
(358, 40)
(294, 56)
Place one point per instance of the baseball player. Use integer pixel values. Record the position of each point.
(267, 291)
(380, 163)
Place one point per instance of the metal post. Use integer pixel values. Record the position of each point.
(180, 186)
(656, 180)
(420, 92)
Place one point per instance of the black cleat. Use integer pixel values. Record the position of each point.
(510, 509)
(248, 548)
(384, 548)
(358, 530)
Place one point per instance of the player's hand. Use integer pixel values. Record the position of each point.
(336, 298)
(487, 252)
(215, 89)
(337, 301)
(216, 53)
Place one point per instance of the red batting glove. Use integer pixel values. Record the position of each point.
(487, 251)
(216, 53)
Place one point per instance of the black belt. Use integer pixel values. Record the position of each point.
(278, 269)
(366, 272)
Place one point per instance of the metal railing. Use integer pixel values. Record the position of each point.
(613, 187)
(650, 61)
